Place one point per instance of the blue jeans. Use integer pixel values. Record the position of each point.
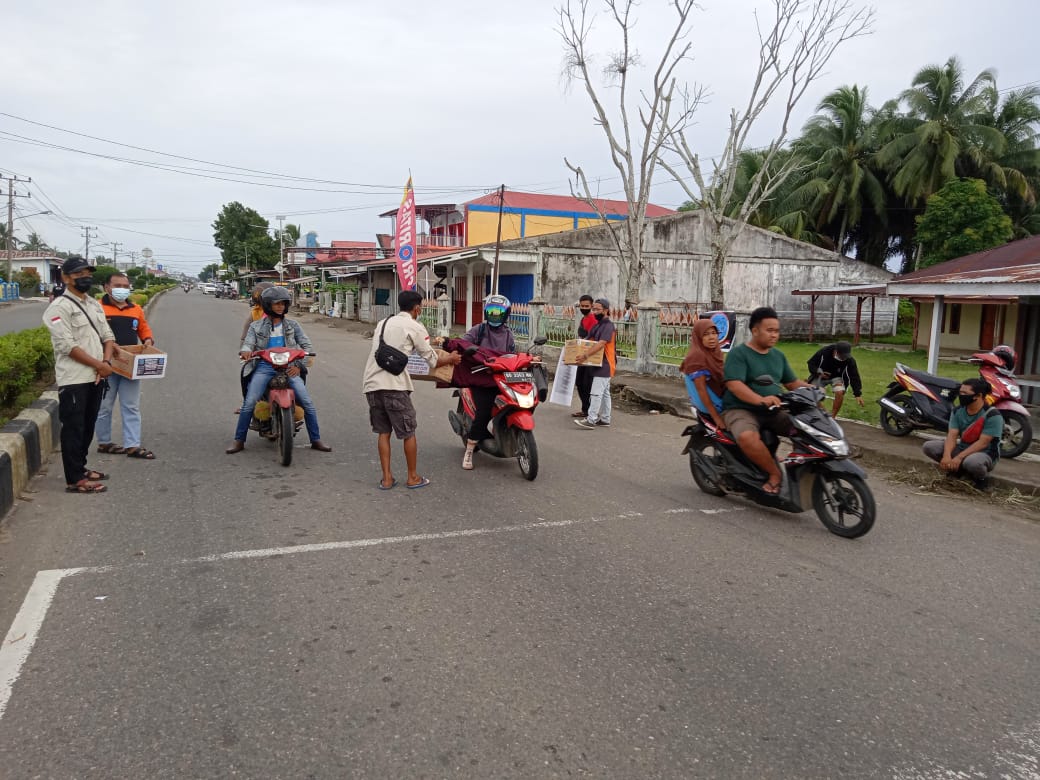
(258, 384)
(129, 392)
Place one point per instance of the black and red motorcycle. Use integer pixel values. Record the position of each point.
(816, 472)
(917, 399)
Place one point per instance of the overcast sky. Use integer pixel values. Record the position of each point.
(466, 94)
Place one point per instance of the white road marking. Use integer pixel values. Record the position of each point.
(26, 627)
(27, 623)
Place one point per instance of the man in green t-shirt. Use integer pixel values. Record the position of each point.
(972, 444)
(745, 404)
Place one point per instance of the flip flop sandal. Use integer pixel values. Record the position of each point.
(579, 414)
(140, 452)
(391, 486)
(95, 475)
(85, 486)
(417, 485)
(111, 449)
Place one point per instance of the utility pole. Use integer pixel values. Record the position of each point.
(498, 241)
(87, 235)
(281, 250)
(11, 195)
(115, 253)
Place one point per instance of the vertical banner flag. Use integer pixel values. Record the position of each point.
(404, 241)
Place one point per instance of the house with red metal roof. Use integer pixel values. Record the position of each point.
(980, 300)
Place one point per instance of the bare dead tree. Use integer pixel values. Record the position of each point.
(802, 38)
(635, 151)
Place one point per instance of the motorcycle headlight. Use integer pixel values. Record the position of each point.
(835, 444)
(1013, 391)
(279, 358)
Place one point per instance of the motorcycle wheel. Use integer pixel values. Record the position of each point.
(892, 424)
(1017, 436)
(285, 435)
(844, 503)
(704, 451)
(527, 454)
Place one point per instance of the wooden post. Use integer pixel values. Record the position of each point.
(859, 314)
(812, 315)
(873, 299)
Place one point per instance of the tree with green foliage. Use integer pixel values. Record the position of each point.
(840, 142)
(961, 218)
(34, 243)
(243, 238)
(209, 272)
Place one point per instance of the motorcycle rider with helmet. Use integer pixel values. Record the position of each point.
(492, 335)
(275, 330)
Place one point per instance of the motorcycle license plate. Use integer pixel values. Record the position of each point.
(518, 376)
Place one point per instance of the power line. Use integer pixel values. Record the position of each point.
(244, 170)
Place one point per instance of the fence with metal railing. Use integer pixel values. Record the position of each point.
(9, 291)
(557, 324)
(520, 321)
(428, 315)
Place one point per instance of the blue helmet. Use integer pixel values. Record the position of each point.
(496, 310)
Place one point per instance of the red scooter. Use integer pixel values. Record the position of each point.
(522, 385)
(281, 400)
(916, 399)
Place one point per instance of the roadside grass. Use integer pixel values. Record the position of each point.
(929, 482)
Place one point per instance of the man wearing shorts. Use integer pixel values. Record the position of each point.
(834, 365)
(745, 404)
(390, 408)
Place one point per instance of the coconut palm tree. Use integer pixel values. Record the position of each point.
(3, 237)
(34, 243)
(945, 124)
(841, 143)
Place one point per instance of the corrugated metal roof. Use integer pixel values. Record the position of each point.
(567, 203)
(1018, 261)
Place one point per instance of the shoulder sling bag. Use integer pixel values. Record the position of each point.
(390, 359)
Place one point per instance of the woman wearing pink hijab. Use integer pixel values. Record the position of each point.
(702, 370)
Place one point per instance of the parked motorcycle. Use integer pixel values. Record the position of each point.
(917, 399)
(815, 472)
(276, 416)
(522, 384)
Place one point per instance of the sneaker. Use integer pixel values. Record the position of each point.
(983, 485)
(602, 423)
(467, 460)
(584, 423)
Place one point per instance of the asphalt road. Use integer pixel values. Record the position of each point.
(216, 616)
(19, 315)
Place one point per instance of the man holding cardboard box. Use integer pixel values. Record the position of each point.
(130, 327)
(602, 336)
(390, 409)
(83, 345)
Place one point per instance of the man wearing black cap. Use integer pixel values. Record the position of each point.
(834, 365)
(83, 346)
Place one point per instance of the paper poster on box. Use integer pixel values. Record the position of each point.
(418, 368)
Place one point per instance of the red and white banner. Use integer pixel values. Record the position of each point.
(404, 240)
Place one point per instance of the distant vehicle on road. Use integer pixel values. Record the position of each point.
(208, 288)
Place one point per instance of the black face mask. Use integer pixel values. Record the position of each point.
(584, 311)
(599, 316)
(83, 283)
(966, 400)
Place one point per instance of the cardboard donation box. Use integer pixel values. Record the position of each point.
(419, 369)
(139, 362)
(571, 347)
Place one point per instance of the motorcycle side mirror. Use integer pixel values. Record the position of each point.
(764, 380)
(540, 341)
